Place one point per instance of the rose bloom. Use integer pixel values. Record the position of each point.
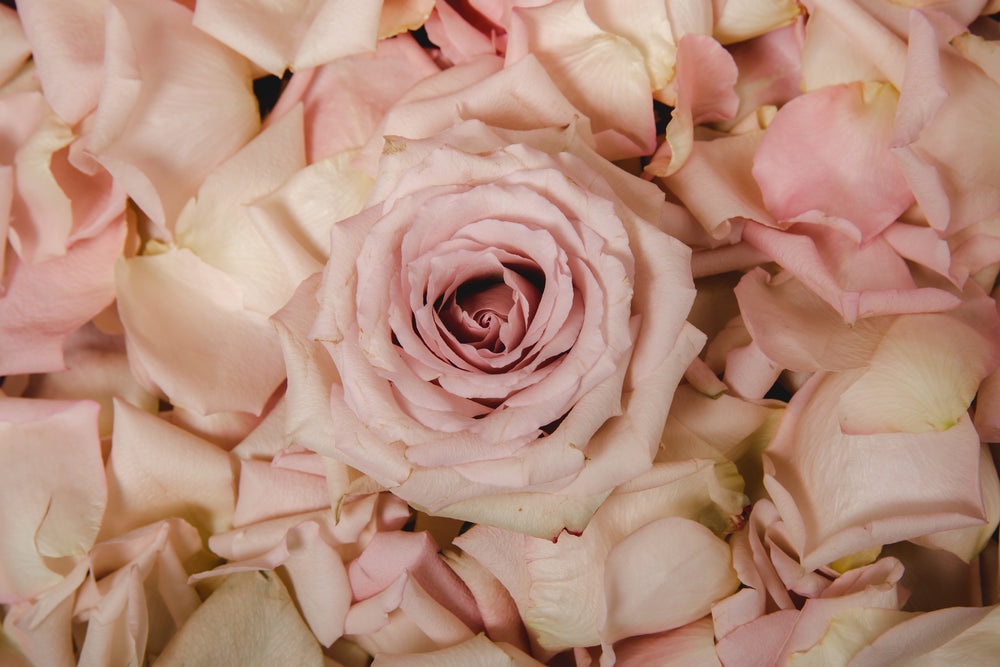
(507, 325)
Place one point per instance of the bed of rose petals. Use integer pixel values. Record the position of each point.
(489, 332)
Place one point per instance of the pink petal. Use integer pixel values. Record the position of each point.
(600, 73)
(291, 35)
(458, 39)
(67, 44)
(934, 486)
(159, 130)
(193, 479)
(849, 172)
(671, 559)
(343, 101)
(44, 303)
(53, 489)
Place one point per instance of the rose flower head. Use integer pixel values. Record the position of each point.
(507, 322)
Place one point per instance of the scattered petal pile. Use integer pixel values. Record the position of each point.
(493, 332)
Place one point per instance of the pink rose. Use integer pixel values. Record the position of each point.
(507, 323)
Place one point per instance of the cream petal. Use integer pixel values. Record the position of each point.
(602, 74)
(294, 34)
(249, 618)
(192, 478)
(176, 309)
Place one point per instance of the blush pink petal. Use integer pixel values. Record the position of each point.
(53, 490)
(458, 39)
(843, 272)
(96, 369)
(934, 487)
(671, 559)
(158, 298)
(267, 491)
(691, 644)
(67, 45)
(950, 353)
(955, 187)
(391, 553)
(344, 100)
(157, 470)
(600, 73)
(44, 303)
(171, 109)
(249, 618)
(829, 151)
(496, 606)
(706, 75)
(293, 34)
(403, 618)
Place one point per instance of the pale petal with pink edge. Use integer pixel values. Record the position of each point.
(249, 619)
(925, 371)
(691, 644)
(850, 630)
(476, 652)
(811, 464)
(67, 45)
(496, 606)
(770, 69)
(602, 74)
(176, 309)
(54, 445)
(160, 129)
(646, 24)
(44, 303)
(829, 151)
(157, 471)
(292, 34)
